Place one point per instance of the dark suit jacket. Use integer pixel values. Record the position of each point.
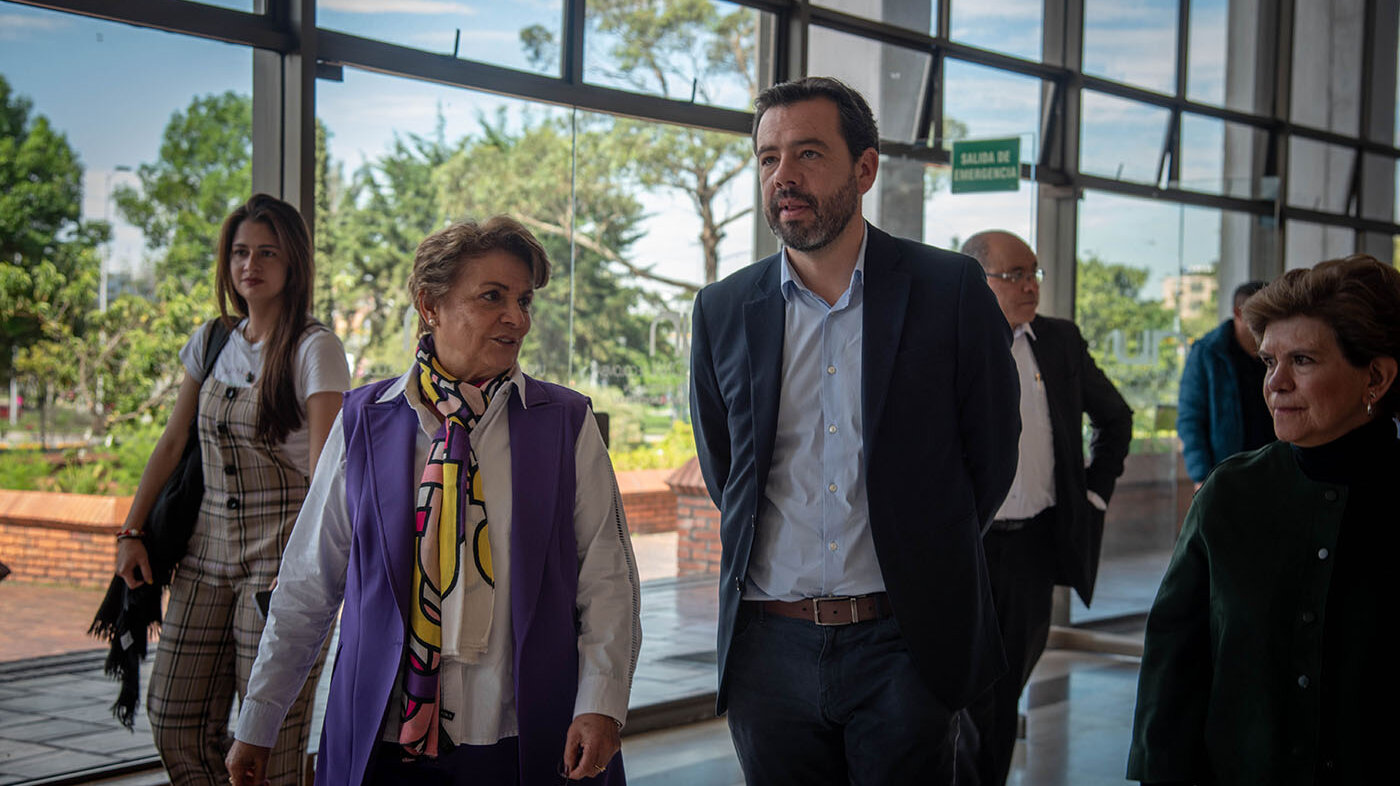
(941, 422)
(1075, 387)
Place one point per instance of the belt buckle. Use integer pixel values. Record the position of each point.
(817, 613)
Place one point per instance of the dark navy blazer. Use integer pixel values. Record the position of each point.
(941, 422)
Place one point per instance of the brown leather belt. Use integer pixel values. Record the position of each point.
(842, 610)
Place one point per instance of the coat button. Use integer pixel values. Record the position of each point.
(1322, 553)
(231, 394)
(222, 428)
(230, 469)
(1303, 681)
(1330, 495)
(233, 503)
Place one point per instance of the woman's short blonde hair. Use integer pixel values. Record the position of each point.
(443, 255)
(1358, 297)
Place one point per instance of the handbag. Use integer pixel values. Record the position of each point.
(126, 616)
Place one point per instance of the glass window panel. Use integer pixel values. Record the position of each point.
(1327, 68)
(1206, 60)
(1121, 139)
(101, 102)
(523, 36)
(1010, 26)
(237, 5)
(1310, 243)
(1378, 187)
(984, 103)
(706, 52)
(1139, 264)
(950, 218)
(1132, 42)
(1202, 154)
(920, 15)
(890, 77)
(1319, 175)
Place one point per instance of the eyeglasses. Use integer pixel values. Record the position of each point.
(1019, 274)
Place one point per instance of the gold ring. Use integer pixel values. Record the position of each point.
(600, 769)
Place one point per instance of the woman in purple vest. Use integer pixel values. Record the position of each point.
(468, 517)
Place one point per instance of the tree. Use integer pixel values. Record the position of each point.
(40, 206)
(689, 50)
(203, 171)
(1131, 337)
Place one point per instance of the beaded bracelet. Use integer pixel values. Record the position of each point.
(129, 532)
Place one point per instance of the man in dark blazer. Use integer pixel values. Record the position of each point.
(1049, 529)
(854, 404)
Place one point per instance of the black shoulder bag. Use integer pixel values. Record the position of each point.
(126, 616)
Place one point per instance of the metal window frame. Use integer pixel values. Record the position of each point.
(305, 50)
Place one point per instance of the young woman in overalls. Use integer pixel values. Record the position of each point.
(263, 414)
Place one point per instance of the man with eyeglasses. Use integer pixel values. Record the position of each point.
(1048, 530)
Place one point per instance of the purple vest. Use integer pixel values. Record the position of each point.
(380, 489)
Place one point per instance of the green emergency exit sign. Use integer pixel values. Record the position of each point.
(986, 165)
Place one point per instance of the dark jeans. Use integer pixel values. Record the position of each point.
(1021, 564)
(463, 765)
(811, 705)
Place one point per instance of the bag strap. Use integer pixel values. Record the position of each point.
(213, 345)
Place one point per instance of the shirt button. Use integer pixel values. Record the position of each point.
(1322, 553)
(831, 369)
(222, 428)
(1330, 495)
(831, 429)
(831, 545)
(831, 488)
(230, 469)
(1308, 617)
(1303, 681)
(231, 394)
(233, 503)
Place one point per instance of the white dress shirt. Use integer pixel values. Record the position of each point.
(813, 536)
(1033, 490)
(478, 698)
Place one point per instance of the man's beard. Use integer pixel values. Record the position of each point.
(828, 218)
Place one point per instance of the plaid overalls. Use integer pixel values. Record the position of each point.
(209, 639)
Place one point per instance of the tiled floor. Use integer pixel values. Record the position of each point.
(54, 714)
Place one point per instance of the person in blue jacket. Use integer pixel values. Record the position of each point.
(1220, 406)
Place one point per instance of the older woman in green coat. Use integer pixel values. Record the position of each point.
(1264, 661)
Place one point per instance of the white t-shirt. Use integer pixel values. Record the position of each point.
(319, 367)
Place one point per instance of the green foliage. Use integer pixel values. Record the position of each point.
(41, 237)
(203, 171)
(675, 448)
(22, 470)
(1116, 322)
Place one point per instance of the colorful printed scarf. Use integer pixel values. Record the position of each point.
(451, 608)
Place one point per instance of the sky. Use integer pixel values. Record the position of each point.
(111, 88)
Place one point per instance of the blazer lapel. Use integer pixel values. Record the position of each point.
(1052, 374)
(393, 430)
(886, 297)
(763, 331)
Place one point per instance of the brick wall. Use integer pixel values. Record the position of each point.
(60, 538)
(697, 523)
(649, 502)
(68, 538)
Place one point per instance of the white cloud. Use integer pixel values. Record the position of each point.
(397, 7)
(14, 27)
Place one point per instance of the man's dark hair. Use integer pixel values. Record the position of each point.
(1245, 290)
(857, 122)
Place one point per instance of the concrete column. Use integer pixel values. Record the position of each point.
(1057, 207)
(284, 114)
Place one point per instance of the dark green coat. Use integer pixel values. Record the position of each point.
(1232, 674)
